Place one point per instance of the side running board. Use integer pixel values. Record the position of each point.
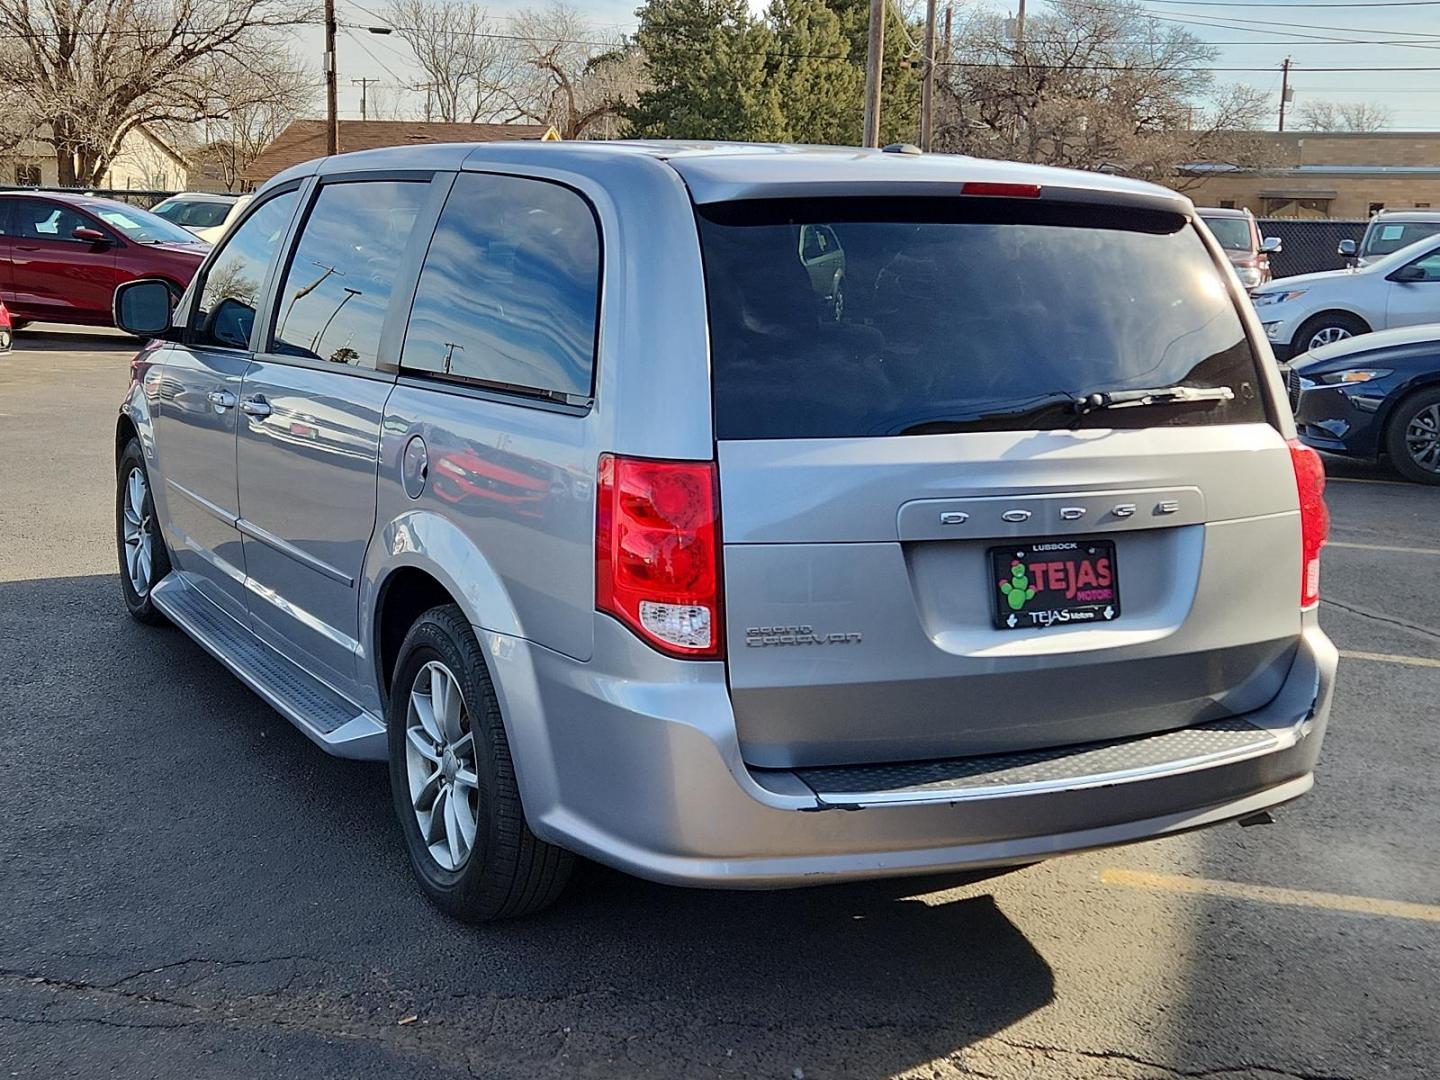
(334, 723)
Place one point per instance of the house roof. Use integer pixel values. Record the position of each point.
(305, 139)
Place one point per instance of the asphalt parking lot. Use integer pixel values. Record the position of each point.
(189, 888)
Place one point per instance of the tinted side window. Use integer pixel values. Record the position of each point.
(231, 292)
(36, 220)
(1430, 266)
(337, 287)
(510, 287)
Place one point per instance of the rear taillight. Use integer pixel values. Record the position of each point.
(1314, 518)
(4, 317)
(657, 552)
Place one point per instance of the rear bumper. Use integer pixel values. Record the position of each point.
(632, 760)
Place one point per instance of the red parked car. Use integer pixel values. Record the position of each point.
(5, 328)
(61, 256)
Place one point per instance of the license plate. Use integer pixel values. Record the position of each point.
(1054, 583)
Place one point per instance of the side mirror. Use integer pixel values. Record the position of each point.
(1346, 249)
(1271, 245)
(90, 236)
(144, 307)
(230, 323)
(1408, 273)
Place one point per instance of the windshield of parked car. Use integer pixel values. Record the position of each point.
(142, 226)
(1383, 237)
(954, 315)
(197, 215)
(1232, 232)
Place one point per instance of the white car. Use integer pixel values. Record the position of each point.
(1309, 310)
(206, 214)
(1389, 231)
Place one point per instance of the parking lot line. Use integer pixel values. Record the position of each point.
(1265, 894)
(1390, 658)
(1382, 547)
(1363, 480)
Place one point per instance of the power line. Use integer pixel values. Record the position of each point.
(1258, 4)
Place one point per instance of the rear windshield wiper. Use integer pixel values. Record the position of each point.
(1059, 405)
(1160, 395)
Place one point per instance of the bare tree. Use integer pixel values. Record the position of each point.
(1097, 84)
(90, 71)
(1343, 116)
(247, 105)
(386, 104)
(569, 76)
(469, 62)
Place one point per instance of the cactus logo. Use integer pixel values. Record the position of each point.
(1017, 591)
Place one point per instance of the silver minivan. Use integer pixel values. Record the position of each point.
(561, 478)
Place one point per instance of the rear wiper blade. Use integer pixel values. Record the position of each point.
(1159, 395)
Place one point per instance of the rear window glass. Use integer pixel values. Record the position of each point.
(197, 215)
(1233, 233)
(1385, 237)
(925, 316)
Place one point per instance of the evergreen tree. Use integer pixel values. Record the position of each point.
(821, 86)
(706, 61)
(900, 80)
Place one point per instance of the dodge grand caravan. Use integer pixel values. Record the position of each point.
(557, 477)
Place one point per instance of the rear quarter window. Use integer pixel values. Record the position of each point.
(509, 293)
(962, 315)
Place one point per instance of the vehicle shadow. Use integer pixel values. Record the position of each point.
(194, 822)
(56, 338)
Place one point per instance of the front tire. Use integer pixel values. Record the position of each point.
(1325, 329)
(1412, 438)
(453, 783)
(144, 562)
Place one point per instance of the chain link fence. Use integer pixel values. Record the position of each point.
(142, 198)
(1309, 246)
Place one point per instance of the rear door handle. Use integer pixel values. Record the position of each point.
(256, 406)
(221, 399)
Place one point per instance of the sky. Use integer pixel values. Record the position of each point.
(1250, 34)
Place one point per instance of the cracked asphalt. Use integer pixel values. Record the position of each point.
(189, 889)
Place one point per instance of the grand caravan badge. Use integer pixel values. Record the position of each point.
(804, 634)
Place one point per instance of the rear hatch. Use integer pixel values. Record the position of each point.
(930, 549)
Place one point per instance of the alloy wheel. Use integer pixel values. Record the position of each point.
(138, 532)
(440, 765)
(1422, 438)
(1328, 336)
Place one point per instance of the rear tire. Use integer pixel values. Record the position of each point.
(144, 562)
(1412, 437)
(1325, 329)
(453, 783)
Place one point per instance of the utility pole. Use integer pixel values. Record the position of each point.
(332, 115)
(874, 66)
(1284, 89)
(927, 86)
(364, 85)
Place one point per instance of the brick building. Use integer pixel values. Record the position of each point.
(1322, 174)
